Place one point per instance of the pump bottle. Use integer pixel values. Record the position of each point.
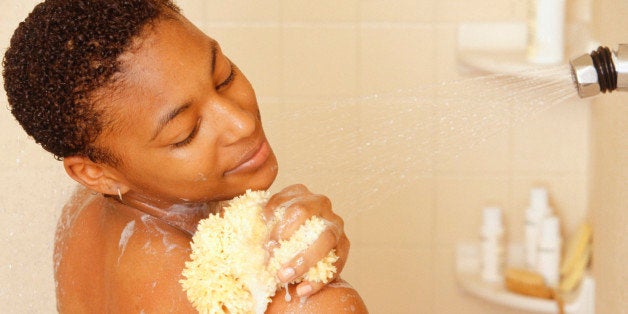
(537, 211)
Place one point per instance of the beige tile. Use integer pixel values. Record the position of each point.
(320, 61)
(396, 11)
(476, 10)
(520, 10)
(460, 152)
(393, 280)
(396, 134)
(393, 58)
(609, 173)
(194, 11)
(446, 47)
(555, 140)
(319, 11)
(317, 148)
(257, 52)
(13, 12)
(242, 11)
(472, 129)
(459, 205)
(273, 113)
(403, 216)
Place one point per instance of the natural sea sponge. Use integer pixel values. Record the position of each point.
(230, 270)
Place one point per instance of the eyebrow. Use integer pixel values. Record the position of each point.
(213, 47)
(169, 117)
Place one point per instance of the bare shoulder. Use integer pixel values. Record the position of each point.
(336, 297)
(146, 261)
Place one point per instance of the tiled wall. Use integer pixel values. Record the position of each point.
(34, 187)
(609, 173)
(302, 56)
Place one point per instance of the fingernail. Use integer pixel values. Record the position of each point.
(303, 290)
(286, 273)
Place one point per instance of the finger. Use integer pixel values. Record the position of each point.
(342, 250)
(286, 194)
(303, 209)
(308, 288)
(283, 199)
(305, 260)
(294, 217)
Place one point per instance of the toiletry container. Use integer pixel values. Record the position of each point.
(549, 251)
(534, 215)
(492, 234)
(546, 20)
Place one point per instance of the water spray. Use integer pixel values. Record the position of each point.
(602, 70)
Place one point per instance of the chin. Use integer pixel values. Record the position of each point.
(265, 181)
(265, 176)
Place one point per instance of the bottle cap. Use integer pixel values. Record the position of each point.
(539, 201)
(538, 198)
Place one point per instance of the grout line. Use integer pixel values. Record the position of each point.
(322, 25)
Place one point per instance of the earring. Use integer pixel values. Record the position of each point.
(119, 194)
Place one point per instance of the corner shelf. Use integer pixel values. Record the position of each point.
(581, 301)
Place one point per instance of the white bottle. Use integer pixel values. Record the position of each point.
(492, 244)
(536, 212)
(546, 26)
(549, 253)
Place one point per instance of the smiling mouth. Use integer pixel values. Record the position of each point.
(253, 160)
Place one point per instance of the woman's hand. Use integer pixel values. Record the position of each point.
(300, 205)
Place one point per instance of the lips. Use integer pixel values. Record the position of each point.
(252, 160)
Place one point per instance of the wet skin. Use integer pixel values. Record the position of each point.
(185, 124)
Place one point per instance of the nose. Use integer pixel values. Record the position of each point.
(233, 121)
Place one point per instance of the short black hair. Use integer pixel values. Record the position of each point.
(59, 55)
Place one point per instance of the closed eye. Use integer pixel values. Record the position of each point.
(229, 79)
(189, 138)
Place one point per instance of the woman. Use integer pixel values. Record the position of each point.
(160, 127)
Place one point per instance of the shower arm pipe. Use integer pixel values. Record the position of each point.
(602, 71)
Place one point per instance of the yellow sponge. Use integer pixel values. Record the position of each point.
(230, 271)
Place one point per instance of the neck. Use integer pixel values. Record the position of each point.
(181, 215)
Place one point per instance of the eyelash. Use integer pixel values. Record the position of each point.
(190, 137)
(229, 78)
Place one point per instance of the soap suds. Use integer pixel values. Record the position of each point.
(300, 261)
(127, 232)
(153, 228)
(288, 297)
(67, 221)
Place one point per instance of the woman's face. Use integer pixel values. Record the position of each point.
(185, 120)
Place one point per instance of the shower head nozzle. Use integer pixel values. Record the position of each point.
(602, 70)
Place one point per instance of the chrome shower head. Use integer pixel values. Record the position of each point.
(602, 70)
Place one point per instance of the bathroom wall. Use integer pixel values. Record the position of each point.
(34, 187)
(300, 54)
(609, 172)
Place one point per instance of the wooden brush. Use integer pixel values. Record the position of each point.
(527, 282)
(530, 283)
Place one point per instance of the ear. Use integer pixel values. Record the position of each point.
(95, 176)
